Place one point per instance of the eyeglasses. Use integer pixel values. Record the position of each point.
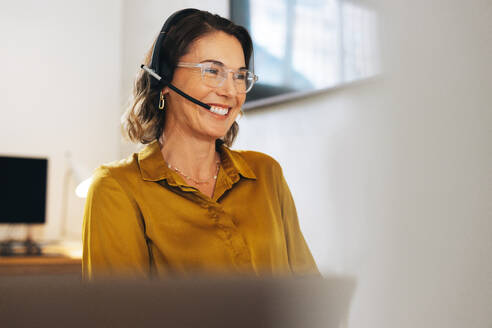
(214, 75)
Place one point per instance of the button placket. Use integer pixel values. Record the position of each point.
(232, 237)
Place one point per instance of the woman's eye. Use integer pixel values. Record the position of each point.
(240, 76)
(211, 70)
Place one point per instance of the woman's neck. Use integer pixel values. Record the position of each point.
(194, 156)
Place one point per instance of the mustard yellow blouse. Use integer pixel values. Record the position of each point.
(141, 219)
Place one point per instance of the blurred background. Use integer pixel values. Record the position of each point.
(391, 169)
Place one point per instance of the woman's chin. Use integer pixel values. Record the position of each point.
(217, 132)
(212, 135)
(216, 136)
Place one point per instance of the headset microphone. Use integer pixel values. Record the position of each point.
(172, 87)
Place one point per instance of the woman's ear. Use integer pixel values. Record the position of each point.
(165, 90)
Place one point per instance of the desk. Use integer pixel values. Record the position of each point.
(60, 301)
(40, 265)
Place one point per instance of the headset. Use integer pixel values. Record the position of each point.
(160, 70)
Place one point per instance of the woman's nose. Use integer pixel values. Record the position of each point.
(228, 86)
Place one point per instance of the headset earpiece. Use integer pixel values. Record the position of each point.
(161, 67)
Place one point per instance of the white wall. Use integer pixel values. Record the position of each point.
(393, 178)
(60, 90)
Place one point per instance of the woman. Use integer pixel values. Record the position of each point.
(186, 203)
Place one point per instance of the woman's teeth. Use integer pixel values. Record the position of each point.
(219, 110)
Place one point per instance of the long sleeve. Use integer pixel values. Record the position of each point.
(113, 236)
(300, 259)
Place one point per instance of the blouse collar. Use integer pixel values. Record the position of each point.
(153, 167)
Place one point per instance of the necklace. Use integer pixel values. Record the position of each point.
(192, 179)
(161, 141)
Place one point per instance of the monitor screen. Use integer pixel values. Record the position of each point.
(23, 189)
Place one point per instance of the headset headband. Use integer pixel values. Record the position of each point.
(162, 68)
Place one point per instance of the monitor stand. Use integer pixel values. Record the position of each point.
(28, 247)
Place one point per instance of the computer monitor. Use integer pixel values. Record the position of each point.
(23, 184)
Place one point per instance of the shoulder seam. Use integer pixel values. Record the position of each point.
(110, 174)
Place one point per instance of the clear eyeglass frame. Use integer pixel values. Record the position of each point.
(215, 74)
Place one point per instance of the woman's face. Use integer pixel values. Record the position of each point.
(191, 118)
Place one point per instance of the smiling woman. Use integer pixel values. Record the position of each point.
(187, 203)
